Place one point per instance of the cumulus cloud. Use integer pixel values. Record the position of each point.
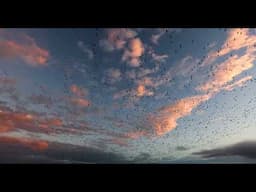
(125, 40)
(78, 91)
(142, 91)
(117, 39)
(133, 54)
(27, 49)
(112, 76)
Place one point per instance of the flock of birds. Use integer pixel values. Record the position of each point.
(200, 135)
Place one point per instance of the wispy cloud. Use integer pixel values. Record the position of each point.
(165, 119)
(227, 71)
(112, 76)
(245, 149)
(155, 37)
(26, 49)
(85, 49)
(239, 83)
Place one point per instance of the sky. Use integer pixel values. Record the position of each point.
(127, 95)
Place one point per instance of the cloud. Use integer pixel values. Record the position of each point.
(112, 76)
(27, 50)
(155, 37)
(125, 40)
(161, 32)
(85, 49)
(135, 134)
(165, 119)
(227, 71)
(11, 120)
(181, 148)
(78, 91)
(236, 40)
(7, 85)
(81, 102)
(14, 152)
(156, 57)
(7, 81)
(133, 54)
(117, 39)
(245, 149)
(37, 145)
(239, 83)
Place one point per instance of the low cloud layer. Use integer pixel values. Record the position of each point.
(245, 149)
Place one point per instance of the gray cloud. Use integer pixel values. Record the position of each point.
(181, 148)
(56, 153)
(85, 49)
(245, 149)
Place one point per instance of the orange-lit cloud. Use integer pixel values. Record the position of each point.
(117, 39)
(30, 53)
(11, 120)
(135, 134)
(142, 91)
(37, 145)
(166, 118)
(80, 102)
(237, 39)
(133, 54)
(226, 71)
(7, 81)
(239, 83)
(78, 91)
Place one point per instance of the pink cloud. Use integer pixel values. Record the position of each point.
(236, 39)
(239, 83)
(133, 54)
(78, 91)
(117, 39)
(81, 102)
(166, 117)
(28, 51)
(226, 71)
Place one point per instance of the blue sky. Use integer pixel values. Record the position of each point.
(140, 95)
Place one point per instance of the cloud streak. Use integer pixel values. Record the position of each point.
(245, 149)
(165, 119)
(27, 50)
